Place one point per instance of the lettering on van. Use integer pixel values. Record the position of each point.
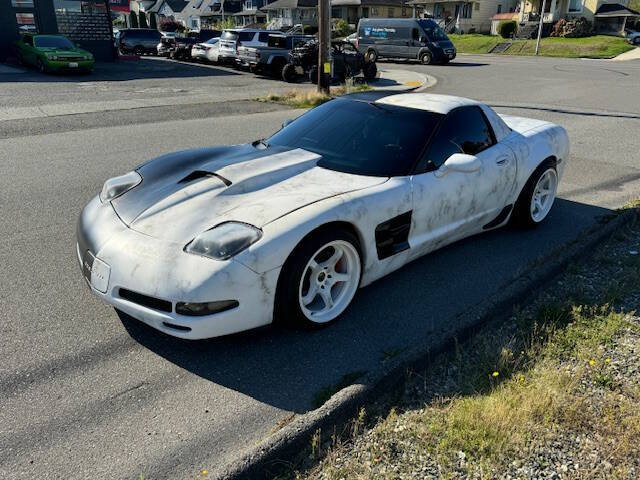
(378, 32)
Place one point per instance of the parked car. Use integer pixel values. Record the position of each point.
(163, 49)
(347, 62)
(420, 39)
(139, 41)
(232, 38)
(183, 46)
(52, 53)
(212, 241)
(633, 37)
(206, 51)
(351, 38)
(272, 57)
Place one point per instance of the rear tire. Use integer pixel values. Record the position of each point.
(319, 279)
(537, 196)
(289, 73)
(372, 56)
(313, 75)
(370, 71)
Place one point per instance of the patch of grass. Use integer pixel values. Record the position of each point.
(325, 393)
(312, 98)
(597, 46)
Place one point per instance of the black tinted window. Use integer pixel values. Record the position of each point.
(360, 137)
(464, 130)
(53, 42)
(245, 36)
(263, 37)
(28, 39)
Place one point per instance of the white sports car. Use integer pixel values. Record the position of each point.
(212, 241)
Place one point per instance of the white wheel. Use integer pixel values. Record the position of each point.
(544, 194)
(329, 281)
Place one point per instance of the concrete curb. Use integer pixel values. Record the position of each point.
(405, 81)
(271, 456)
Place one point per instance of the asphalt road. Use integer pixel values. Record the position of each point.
(86, 394)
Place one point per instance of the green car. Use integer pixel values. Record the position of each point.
(52, 53)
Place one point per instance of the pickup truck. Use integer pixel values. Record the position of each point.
(274, 56)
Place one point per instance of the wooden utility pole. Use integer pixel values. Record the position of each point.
(544, 5)
(324, 37)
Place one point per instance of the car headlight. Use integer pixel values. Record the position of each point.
(224, 240)
(116, 186)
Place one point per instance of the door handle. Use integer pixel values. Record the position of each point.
(502, 160)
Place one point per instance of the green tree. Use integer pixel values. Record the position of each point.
(142, 20)
(133, 19)
(153, 23)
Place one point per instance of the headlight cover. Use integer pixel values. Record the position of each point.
(224, 240)
(116, 186)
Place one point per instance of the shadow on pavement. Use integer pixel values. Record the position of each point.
(286, 368)
(123, 70)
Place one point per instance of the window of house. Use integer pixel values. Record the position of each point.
(404, 11)
(477, 7)
(499, 9)
(390, 12)
(575, 6)
(22, 3)
(26, 22)
(466, 10)
(374, 11)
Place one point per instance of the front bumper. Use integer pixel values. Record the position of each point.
(162, 271)
(58, 65)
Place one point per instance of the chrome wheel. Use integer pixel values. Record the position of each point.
(329, 281)
(544, 195)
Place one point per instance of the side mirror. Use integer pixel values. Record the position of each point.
(459, 162)
(287, 122)
(423, 39)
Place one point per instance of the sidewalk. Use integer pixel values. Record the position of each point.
(630, 55)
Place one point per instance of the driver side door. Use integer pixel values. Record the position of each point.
(450, 204)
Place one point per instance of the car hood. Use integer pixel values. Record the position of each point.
(184, 194)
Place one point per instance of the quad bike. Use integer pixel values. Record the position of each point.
(347, 63)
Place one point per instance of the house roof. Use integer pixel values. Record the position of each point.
(249, 13)
(291, 4)
(615, 10)
(175, 5)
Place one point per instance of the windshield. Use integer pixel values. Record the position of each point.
(433, 31)
(361, 137)
(229, 35)
(53, 42)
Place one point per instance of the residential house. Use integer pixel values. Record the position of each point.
(201, 14)
(607, 16)
(462, 17)
(353, 10)
(251, 13)
(287, 13)
(167, 8)
(141, 5)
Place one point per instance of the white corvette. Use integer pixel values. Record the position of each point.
(212, 241)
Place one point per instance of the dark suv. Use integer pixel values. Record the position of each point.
(140, 41)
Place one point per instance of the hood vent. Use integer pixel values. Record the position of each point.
(197, 174)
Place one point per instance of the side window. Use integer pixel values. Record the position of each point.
(263, 37)
(414, 34)
(28, 39)
(464, 130)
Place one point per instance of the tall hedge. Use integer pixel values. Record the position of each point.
(153, 23)
(507, 29)
(133, 19)
(142, 20)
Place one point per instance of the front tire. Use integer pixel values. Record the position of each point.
(636, 41)
(319, 280)
(42, 68)
(537, 196)
(313, 75)
(426, 58)
(289, 74)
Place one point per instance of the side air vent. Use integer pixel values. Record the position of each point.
(197, 174)
(392, 236)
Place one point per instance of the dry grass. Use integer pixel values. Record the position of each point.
(312, 98)
(505, 419)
